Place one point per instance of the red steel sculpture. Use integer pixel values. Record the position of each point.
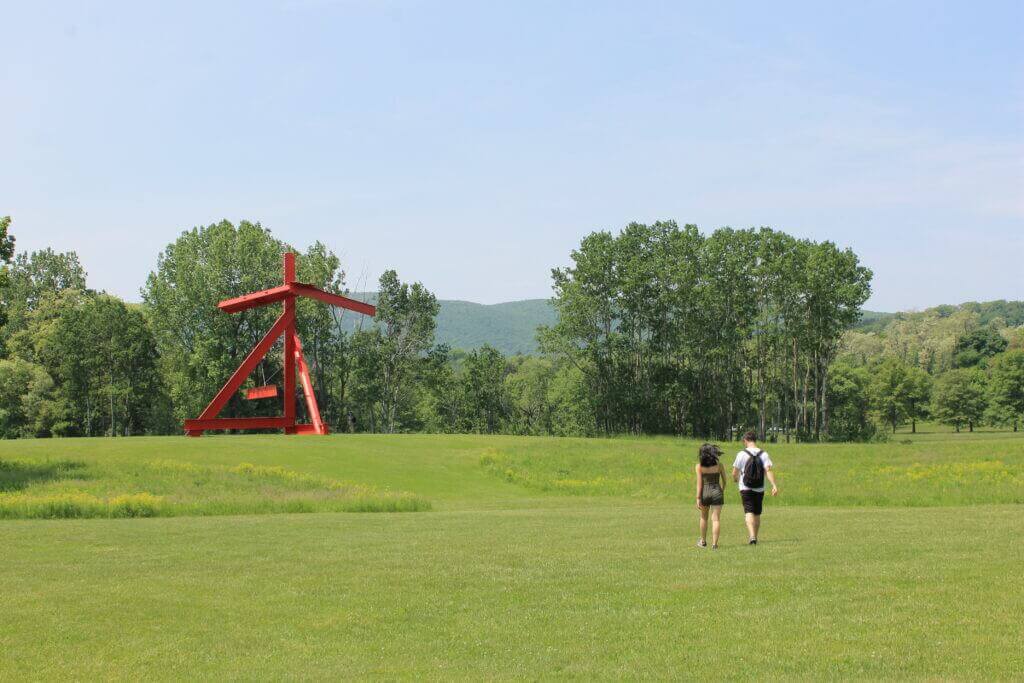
(293, 359)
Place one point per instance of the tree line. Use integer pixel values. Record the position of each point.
(953, 365)
(660, 330)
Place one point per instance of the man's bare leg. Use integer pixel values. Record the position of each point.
(753, 524)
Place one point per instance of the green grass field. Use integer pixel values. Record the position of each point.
(515, 558)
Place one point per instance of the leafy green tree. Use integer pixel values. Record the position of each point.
(103, 356)
(888, 392)
(900, 392)
(27, 401)
(6, 254)
(406, 316)
(572, 407)
(959, 398)
(483, 387)
(440, 403)
(199, 345)
(917, 395)
(30, 279)
(837, 287)
(366, 384)
(527, 386)
(977, 346)
(675, 332)
(850, 398)
(1006, 389)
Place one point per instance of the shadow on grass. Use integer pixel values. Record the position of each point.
(17, 476)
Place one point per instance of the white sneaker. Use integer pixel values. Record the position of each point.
(701, 543)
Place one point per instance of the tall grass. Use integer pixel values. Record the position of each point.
(75, 505)
(162, 488)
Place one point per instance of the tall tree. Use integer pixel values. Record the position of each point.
(889, 391)
(977, 346)
(1006, 389)
(675, 332)
(900, 392)
(199, 345)
(6, 254)
(103, 356)
(27, 402)
(918, 395)
(527, 387)
(959, 398)
(837, 287)
(850, 401)
(483, 384)
(29, 280)
(406, 315)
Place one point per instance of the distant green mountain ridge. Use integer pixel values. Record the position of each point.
(511, 327)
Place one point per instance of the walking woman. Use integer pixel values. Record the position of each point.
(710, 493)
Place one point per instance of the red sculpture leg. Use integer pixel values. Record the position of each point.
(307, 389)
(289, 347)
(192, 428)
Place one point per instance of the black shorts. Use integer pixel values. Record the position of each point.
(752, 501)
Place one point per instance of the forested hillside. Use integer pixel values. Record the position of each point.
(1001, 312)
(509, 327)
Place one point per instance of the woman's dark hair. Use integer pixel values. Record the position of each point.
(709, 454)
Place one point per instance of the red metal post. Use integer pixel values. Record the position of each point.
(289, 346)
(307, 389)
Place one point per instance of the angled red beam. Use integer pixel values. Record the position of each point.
(248, 365)
(255, 299)
(312, 292)
(217, 423)
(306, 429)
(307, 389)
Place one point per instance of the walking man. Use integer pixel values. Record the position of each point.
(751, 468)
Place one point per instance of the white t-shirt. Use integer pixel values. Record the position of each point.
(741, 461)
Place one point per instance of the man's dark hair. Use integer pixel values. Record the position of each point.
(750, 436)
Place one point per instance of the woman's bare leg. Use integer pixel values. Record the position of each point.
(704, 523)
(716, 513)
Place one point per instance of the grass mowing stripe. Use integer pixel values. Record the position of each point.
(598, 592)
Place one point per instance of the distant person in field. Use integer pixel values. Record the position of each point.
(751, 468)
(710, 493)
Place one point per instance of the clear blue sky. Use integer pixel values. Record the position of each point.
(471, 145)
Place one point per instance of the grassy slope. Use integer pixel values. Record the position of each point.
(504, 580)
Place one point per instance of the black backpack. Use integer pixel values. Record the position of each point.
(753, 470)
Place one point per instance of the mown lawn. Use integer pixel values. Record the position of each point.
(509, 579)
